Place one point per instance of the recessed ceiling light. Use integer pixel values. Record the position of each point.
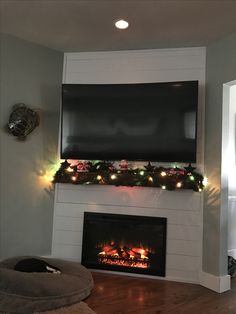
(121, 24)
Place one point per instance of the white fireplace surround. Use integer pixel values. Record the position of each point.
(183, 209)
(184, 221)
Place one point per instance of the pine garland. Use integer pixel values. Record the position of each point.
(104, 173)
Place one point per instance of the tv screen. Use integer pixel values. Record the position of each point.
(145, 121)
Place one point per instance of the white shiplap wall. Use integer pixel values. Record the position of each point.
(183, 209)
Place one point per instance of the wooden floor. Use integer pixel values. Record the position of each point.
(116, 294)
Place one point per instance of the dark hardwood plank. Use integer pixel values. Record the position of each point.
(116, 294)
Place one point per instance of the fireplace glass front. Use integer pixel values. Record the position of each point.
(135, 244)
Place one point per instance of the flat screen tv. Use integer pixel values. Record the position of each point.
(144, 121)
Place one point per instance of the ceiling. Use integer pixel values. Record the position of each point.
(88, 25)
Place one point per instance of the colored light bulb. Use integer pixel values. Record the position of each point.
(69, 169)
(205, 181)
(73, 178)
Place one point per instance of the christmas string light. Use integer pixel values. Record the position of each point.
(102, 172)
(150, 179)
(178, 184)
(69, 169)
(73, 178)
(163, 173)
(113, 176)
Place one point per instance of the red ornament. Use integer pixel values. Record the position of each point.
(172, 171)
(82, 167)
(123, 165)
(72, 162)
(176, 171)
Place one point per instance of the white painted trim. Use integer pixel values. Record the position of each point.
(232, 197)
(230, 84)
(216, 283)
(232, 253)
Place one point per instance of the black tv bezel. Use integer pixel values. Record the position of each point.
(117, 158)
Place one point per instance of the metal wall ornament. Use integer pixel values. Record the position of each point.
(22, 121)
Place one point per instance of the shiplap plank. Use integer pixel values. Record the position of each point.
(137, 64)
(184, 232)
(68, 223)
(68, 237)
(122, 77)
(133, 197)
(182, 247)
(182, 262)
(178, 275)
(67, 251)
(70, 209)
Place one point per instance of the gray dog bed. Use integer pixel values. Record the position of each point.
(22, 292)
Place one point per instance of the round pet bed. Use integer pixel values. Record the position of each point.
(22, 292)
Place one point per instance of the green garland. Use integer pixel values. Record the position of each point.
(104, 173)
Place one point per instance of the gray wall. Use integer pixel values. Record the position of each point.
(220, 69)
(30, 74)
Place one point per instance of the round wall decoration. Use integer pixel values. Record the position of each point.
(22, 121)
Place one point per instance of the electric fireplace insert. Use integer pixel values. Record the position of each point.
(126, 243)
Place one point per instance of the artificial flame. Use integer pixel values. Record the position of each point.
(113, 254)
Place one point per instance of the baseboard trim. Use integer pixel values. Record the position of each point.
(216, 283)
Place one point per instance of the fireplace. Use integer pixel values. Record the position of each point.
(135, 244)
